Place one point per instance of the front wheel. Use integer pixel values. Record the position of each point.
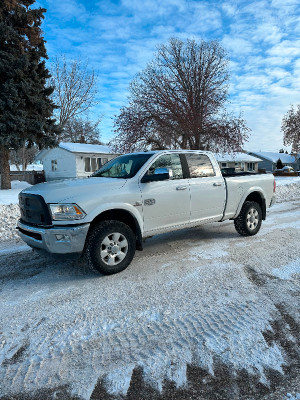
(110, 247)
(249, 220)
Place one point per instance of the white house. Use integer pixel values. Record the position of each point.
(241, 162)
(74, 160)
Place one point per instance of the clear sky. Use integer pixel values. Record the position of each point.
(119, 38)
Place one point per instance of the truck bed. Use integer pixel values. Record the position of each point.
(239, 185)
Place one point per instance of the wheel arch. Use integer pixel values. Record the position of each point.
(256, 196)
(121, 215)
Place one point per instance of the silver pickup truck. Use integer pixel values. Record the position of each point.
(134, 196)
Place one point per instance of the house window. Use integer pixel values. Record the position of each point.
(240, 167)
(91, 164)
(251, 166)
(223, 165)
(101, 161)
(87, 164)
(54, 165)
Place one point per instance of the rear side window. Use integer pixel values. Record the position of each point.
(199, 165)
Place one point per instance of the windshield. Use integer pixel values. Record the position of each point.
(123, 166)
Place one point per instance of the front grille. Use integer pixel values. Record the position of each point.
(34, 210)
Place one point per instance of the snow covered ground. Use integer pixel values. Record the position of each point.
(10, 196)
(213, 312)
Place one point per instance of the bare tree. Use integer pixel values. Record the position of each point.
(78, 130)
(23, 156)
(291, 129)
(75, 88)
(179, 100)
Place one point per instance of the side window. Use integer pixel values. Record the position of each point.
(54, 165)
(170, 161)
(199, 165)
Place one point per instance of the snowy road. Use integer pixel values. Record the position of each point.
(199, 314)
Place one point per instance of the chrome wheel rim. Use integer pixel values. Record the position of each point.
(113, 249)
(252, 219)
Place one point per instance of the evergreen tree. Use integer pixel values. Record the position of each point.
(279, 164)
(25, 105)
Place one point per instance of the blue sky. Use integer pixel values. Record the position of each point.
(119, 38)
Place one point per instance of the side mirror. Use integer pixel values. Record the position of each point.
(160, 174)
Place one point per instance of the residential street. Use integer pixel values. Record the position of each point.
(201, 313)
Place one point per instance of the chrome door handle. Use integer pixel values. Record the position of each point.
(181, 188)
(217, 184)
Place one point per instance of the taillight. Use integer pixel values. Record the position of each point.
(274, 186)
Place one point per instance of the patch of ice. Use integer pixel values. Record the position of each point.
(208, 252)
(287, 271)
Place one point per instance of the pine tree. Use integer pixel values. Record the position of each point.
(279, 164)
(25, 105)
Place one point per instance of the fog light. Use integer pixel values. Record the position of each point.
(61, 238)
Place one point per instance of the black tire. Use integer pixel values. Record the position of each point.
(249, 220)
(110, 247)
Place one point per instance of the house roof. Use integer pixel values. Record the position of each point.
(78, 148)
(285, 158)
(236, 157)
(85, 148)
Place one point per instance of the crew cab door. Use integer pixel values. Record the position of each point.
(207, 188)
(166, 203)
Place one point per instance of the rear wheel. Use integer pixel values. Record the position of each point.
(249, 220)
(110, 247)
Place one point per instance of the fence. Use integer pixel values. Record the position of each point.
(31, 177)
(280, 173)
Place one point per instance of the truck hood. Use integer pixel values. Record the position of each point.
(72, 189)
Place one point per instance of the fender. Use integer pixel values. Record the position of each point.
(253, 190)
(118, 211)
(131, 209)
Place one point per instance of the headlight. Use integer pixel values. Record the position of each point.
(62, 212)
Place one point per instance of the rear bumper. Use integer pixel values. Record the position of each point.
(57, 240)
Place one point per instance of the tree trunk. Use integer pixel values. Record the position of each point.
(23, 159)
(4, 168)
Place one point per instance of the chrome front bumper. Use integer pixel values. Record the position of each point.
(58, 239)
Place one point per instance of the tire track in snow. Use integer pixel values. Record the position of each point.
(155, 345)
